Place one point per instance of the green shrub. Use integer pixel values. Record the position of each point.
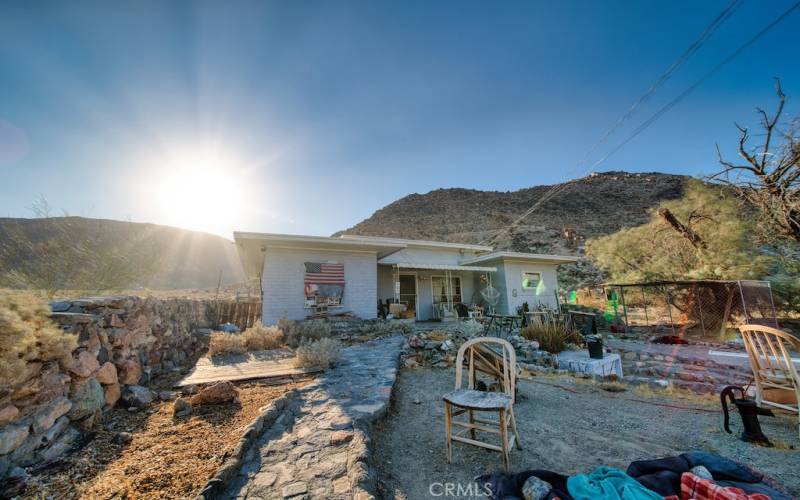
(322, 353)
(28, 334)
(552, 337)
(380, 328)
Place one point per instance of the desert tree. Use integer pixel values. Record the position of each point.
(767, 175)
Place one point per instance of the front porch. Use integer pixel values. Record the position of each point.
(433, 291)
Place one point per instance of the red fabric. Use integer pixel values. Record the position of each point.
(697, 488)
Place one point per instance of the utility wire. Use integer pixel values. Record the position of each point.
(691, 50)
(641, 128)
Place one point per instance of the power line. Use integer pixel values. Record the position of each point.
(690, 50)
(676, 64)
(641, 128)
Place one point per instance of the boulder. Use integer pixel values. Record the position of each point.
(55, 431)
(14, 484)
(122, 438)
(113, 393)
(7, 414)
(11, 437)
(129, 372)
(87, 398)
(166, 395)
(46, 416)
(107, 374)
(136, 396)
(181, 408)
(84, 364)
(68, 440)
(221, 392)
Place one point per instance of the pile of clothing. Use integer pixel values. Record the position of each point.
(694, 475)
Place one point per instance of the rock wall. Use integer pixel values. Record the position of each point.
(123, 343)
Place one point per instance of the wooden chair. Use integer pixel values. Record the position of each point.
(499, 364)
(776, 378)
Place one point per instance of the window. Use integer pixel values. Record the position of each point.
(530, 280)
(324, 284)
(440, 291)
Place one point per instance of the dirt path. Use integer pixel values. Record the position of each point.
(564, 431)
(167, 458)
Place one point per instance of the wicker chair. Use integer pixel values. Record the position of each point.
(499, 364)
(776, 378)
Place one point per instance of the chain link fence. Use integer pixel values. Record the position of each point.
(706, 309)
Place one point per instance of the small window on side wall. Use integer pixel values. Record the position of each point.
(530, 280)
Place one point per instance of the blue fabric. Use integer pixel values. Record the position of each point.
(607, 483)
(721, 467)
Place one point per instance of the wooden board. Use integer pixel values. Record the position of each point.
(250, 366)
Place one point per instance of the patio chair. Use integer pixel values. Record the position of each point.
(776, 378)
(497, 359)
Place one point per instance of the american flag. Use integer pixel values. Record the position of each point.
(324, 274)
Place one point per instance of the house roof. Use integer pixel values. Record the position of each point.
(530, 257)
(419, 243)
(444, 267)
(252, 247)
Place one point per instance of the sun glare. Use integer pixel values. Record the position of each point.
(203, 193)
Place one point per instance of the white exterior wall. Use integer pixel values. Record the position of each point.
(283, 282)
(514, 294)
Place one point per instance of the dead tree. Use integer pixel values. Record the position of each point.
(769, 176)
(681, 228)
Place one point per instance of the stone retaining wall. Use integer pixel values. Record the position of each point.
(123, 342)
(697, 375)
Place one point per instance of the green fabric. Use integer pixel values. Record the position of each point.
(607, 483)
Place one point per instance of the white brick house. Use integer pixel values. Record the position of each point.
(301, 274)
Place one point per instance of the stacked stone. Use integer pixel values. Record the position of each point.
(438, 348)
(701, 376)
(122, 343)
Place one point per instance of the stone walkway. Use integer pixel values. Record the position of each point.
(318, 447)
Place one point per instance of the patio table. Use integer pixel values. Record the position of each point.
(500, 321)
(580, 362)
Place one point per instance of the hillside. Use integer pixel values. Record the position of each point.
(592, 206)
(180, 259)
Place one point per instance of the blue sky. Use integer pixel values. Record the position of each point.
(319, 113)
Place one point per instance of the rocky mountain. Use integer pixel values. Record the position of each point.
(175, 258)
(596, 205)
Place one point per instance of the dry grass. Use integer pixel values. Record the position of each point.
(256, 338)
(321, 353)
(304, 332)
(168, 458)
(552, 337)
(27, 334)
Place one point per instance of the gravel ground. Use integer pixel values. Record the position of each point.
(167, 458)
(568, 429)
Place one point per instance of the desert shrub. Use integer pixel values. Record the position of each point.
(256, 338)
(28, 334)
(552, 337)
(303, 332)
(226, 343)
(470, 328)
(322, 353)
(260, 337)
(382, 328)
